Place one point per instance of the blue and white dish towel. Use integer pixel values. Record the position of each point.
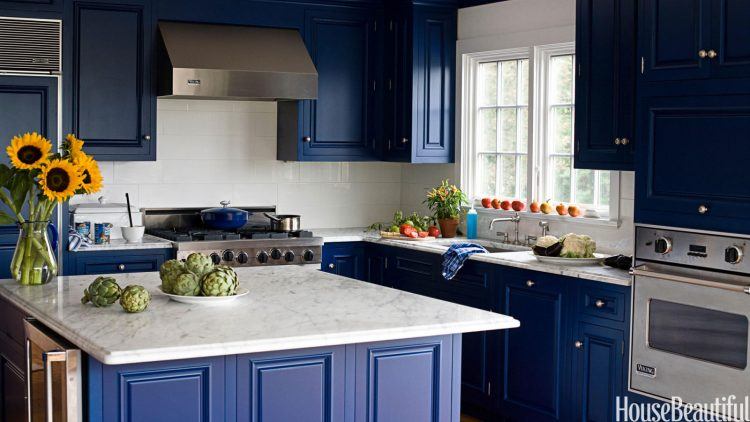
(456, 255)
(77, 241)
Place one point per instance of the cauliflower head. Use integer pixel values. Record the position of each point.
(577, 246)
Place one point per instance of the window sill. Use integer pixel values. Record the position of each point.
(525, 215)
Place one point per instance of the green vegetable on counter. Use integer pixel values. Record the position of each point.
(169, 272)
(577, 246)
(187, 284)
(103, 291)
(199, 264)
(218, 283)
(134, 299)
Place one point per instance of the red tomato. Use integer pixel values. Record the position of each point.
(403, 227)
(408, 230)
(433, 231)
(413, 233)
(422, 234)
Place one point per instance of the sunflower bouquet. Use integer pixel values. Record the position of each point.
(35, 182)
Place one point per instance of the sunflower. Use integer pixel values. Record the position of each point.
(29, 151)
(60, 179)
(92, 176)
(75, 147)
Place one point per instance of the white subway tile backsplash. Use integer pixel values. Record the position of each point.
(136, 172)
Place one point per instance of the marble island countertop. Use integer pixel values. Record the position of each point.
(517, 256)
(289, 307)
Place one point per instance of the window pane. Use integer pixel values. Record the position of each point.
(487, 130)
(508, 176)
(523, 88)
(561, 80)
(584, 186)
(509, 134)
(604, 189)
(523, 129)
(486, 175)
(561, 129)
(522, 185)
(487, 94)
(510, 82)
(561, 177)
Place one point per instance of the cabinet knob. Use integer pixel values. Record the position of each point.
(146, 137)
(711, 54)
(702, 209)
(306, 139)
(578, 344)
(404, 140)
(599, 303)
(617, 141)
(121, 267)
(702, 54)
(624, 141)
(331, 265)
(530, 283)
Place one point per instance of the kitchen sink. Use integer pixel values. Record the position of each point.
(492, 249)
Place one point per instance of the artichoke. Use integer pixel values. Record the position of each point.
(103, 291)
(134, 298)
(230, 271)
(187, 284)
(218, 282)
(199, 264)
(169, 272)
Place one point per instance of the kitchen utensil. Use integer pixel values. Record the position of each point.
(285, 222)
(225, 217)
(208, 300)
(133, 234)
(556, 260)
(130, 215)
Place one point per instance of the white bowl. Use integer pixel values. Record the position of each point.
(132, 234)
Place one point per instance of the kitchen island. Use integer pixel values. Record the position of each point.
(303, 345)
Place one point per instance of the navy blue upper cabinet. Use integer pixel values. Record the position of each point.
(32, 5)
(692, 148)
(605, 84)
(110, 83)
(695, 39)
(338, 126)
(420, 84)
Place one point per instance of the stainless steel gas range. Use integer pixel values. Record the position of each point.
(691, 307)
(255, 244)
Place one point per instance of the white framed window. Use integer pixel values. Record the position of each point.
(511, 97)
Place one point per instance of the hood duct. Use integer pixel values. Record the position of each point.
(202, 61)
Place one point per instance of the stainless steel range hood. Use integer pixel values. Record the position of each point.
(202, 61)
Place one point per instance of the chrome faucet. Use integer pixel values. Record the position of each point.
(515, 219)
(545, 227)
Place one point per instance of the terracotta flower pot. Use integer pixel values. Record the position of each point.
(448, 226)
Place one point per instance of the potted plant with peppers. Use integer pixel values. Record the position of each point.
(445, 202)
(36, 181)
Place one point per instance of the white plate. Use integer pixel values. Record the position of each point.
(207, 300)
(556, 260)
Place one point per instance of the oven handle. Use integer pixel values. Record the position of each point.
(639, 271)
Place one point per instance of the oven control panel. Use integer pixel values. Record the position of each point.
(693, 248)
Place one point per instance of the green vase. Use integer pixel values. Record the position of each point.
(33, 261)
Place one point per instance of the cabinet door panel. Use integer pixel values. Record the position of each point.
(673, 32)
(605, 84)
(32, 5)
(106, 263)
(12, 392)
(731, 38)
(693, 149)
(112, 92)
(345, 259)
(337, 122)
(598, 370)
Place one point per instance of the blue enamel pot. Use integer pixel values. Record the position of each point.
(224, 217)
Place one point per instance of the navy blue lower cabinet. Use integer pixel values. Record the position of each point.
(113, 262)
(171, 391)
(376, 265)
(534, 354)
(415, 272)
(12, 391)
(346, 259)
(307, 385)
(408, 380)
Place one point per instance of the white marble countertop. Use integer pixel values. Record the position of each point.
(289, 307)
(520, 257)
(148, 242)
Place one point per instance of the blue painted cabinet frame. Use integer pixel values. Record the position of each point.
(114, 262)
(605, 83)
(32, 6)
(109, 80)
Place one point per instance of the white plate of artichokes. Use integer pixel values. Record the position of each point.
(196, 280)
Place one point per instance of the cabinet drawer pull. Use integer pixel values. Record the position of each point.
(624, 141)
(599, 303)
(331, 265)
(711, 54)
(530, 283)
(578, 344)
(404, 140)
(146, 137)
(702, 54)
(306, 139)
(702, 209)
(121, 267)
(617, 141)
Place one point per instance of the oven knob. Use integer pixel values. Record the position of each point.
(276, 254)
(663, 245)
(289, 256)
(308, 255)
(215, 258)
(733, 254)
(262, 257)
(228, 255)
(242, 258)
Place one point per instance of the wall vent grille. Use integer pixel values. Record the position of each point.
(30, 45)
